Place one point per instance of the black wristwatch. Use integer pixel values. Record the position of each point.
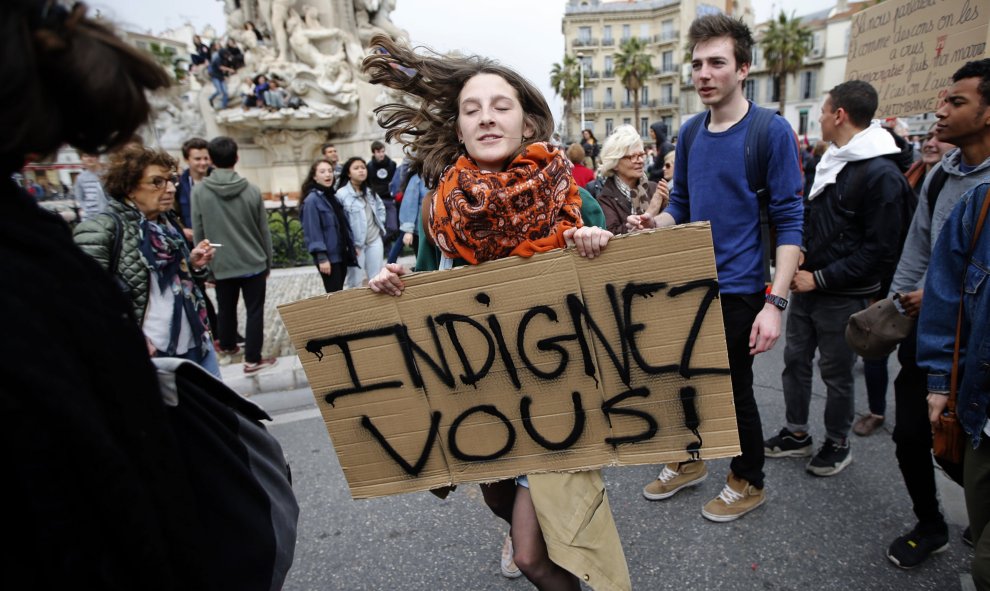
(776, 300)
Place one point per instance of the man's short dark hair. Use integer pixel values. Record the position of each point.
(977, 69)
(324, 147)
(858, 99)
(196, 143)
(713, 26)
(377, 145)
(223, 151)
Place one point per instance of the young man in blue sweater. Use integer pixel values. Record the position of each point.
(710, 184)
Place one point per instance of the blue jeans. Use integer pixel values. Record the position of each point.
(221, 89)
(875, 372)
(207, 361)
(818, 321)
(397, 246)
(371, 259)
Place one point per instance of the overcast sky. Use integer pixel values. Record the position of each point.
(522, 34)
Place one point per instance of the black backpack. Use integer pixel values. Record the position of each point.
(238, 475)
(939, 176)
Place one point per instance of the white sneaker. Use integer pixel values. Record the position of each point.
(508, 566)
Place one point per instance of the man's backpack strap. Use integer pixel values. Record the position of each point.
(757, 159)
(690, 130)
(939, 176)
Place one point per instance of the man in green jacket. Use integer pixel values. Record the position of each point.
(230, 212)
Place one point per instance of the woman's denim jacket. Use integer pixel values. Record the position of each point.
(357, 217)
(950, 269)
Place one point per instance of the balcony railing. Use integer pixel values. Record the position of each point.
(667, 37)
(584, 42)
(608, 42)
(608, 74)
(590, 74)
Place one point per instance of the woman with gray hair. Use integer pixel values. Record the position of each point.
(626, 190)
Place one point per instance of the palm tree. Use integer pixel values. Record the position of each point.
(785, 44)
(566, 81)
(633, 68)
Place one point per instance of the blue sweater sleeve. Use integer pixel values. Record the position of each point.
(678, 206)
(785, 183)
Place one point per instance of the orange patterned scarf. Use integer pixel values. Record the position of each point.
(482, 216)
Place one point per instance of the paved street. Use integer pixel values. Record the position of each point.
(813, 533)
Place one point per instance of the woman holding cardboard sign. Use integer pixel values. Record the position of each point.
(479, 133)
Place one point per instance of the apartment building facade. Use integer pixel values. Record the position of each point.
(594, 30)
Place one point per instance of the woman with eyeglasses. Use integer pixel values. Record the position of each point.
(626, 190)
(141, 239)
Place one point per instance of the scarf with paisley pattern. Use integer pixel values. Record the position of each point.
(482, 216)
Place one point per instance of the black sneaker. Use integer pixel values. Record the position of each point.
(911, 550)
(967, 537)
(787, 445)
(832, 458)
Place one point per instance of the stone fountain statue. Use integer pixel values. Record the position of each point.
(313, 48)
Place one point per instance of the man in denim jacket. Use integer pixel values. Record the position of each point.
(959, 123)
(953, 270)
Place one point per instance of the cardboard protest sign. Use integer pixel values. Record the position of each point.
(553, 363)
(909, 49)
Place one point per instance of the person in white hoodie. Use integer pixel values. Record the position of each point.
(854, 221)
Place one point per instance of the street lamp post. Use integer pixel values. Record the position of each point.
(580, 57)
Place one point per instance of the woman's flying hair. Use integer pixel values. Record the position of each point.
(429, 128)
(68, 79)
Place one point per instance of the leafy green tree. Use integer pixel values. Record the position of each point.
(565, 78)
(785, 43)
(633, 67)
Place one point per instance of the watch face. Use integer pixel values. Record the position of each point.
(777, 301)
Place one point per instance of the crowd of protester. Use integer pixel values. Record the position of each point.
(865, 215)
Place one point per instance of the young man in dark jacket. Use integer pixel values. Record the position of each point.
(853, 225)
(381, 169)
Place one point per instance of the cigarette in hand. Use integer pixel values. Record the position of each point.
(216, 244)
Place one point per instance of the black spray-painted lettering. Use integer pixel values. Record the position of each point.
(699, 317)
(609, 409)
(471, 376)
(316, 347)
(411, 469)
(691, 420)
(455, 449)
(590, 336)
(565, 443)
(547, 344)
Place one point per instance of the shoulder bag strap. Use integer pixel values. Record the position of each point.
(954, 376)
